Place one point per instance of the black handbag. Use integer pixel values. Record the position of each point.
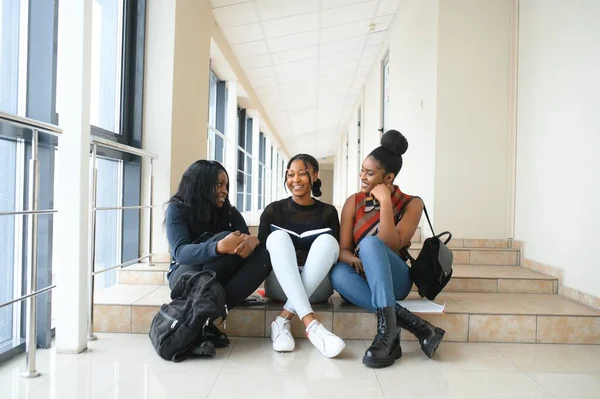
(432, 269)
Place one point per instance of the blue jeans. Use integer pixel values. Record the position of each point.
(388, 277)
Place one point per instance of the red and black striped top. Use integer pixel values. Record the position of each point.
(366, 215)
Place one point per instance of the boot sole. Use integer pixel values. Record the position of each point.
(221, 344)
(435, 342)
(205, 352)
(385, 362)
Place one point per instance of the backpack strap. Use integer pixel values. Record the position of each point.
(424, 208)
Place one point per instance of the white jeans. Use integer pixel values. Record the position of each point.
(323, 254)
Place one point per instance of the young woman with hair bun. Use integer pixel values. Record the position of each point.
(377, 223)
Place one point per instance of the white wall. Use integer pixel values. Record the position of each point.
(326, 176)
(413, 52)
(450, 94)
(471, 165)
(412, 45)
(557, 213)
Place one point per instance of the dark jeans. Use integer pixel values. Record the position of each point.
(239, 277)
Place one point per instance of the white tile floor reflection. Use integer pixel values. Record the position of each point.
(125, 366)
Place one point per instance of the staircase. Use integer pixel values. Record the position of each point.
(489, 299)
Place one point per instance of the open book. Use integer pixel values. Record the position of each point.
(422, 306)
(304, 239)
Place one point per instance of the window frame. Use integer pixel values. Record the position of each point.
(36, 99)
(384, 103)
(130, 126)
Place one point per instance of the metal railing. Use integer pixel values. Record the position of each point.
(32, 214)
(97, 142)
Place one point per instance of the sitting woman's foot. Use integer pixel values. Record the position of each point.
(216, 336)
(429, 336)
(281, 335)
(329, 344)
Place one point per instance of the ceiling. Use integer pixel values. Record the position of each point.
(306, 60)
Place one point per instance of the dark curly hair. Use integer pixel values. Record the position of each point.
(197, 192)
(308, 160)
(389, 153)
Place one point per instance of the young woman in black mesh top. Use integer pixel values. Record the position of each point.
(299, 286)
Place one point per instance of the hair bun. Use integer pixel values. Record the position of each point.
(316, 188)
(395, 142)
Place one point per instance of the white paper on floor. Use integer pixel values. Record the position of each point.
(422, 306)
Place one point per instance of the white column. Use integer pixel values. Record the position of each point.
(70, 245)
(232, 136)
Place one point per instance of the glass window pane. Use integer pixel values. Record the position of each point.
(249, 165)
(108, 223)
(240, 129)
(107, 37)
(248, 145)
(8, 152)
(249, 193)
(240, 201)
(385, 94)
(240, 160)
(212, 103)
(219, 149)
(9, 55)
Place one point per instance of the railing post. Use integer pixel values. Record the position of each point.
(31, 332)
(92, 243)
(150, 210)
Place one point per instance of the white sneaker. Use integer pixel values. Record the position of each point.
(281, 335)
(329, 344)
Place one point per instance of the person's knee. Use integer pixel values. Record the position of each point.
(277, 238)
(339, 272)
(370, 243)
(328, 244)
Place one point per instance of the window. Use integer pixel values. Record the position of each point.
(9, 265)
(268, 174)
(274, 177)
(244, 162)
(13, 53)
(281, 179)
(108, 223)
(217, 142)
(262, 143)
(27, 88)
(118, 37)
(107, 39)
(385, 92)
(359, 135)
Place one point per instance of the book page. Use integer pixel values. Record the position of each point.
(314, 232)
(275, 227)
(422, 306)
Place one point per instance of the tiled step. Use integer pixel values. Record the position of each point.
(473, 317)
(479, 256)
(503, 279)
(142, 273)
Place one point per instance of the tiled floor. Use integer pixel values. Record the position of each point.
(125, 366)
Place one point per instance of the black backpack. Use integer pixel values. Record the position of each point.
(432, 269)
(197, 299)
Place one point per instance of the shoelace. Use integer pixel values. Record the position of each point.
(321, 332)
(284, 327)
